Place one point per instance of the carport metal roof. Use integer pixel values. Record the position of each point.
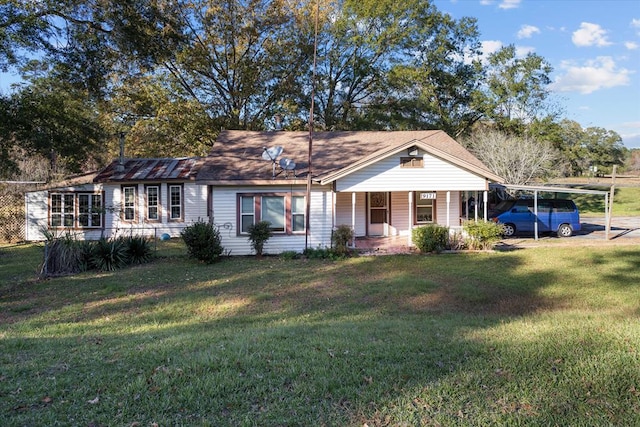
(535, 189)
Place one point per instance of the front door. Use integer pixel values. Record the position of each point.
(378, 213)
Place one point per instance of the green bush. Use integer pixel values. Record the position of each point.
(430, 238)
(203, 241)
(259, 233)
(340, 239)
(483, 234)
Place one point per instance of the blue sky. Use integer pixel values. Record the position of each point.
(592, 45)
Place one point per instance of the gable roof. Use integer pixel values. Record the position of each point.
(163, 169)
(236, 157)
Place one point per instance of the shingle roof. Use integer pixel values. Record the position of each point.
(164, 169)
(237, 155)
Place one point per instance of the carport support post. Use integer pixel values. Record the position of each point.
(607, 214)
(610, 202)
(535, 214)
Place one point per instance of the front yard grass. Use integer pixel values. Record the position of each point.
(544, 336)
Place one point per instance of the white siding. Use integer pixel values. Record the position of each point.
(387, 175)
(399, 213)
(37, 214)
(224, 203)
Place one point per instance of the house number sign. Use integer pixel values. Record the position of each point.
(427, 196)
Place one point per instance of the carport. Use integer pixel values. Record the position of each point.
(535, 189)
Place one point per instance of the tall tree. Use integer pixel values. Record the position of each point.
(438, 86)
(604, 148)
(50, 119)
(517, 89)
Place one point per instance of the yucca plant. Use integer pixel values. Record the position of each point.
(110, 254)
(62, 255)
(139, 250)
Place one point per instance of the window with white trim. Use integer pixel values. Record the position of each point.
(425, 202)
(247, 213)
(81, 210)
(175, 202)
(129, 200)
(62, 210)
(298, 213)
(89, 210)
(153, 202)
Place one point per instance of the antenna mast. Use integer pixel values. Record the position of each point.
(313, 94)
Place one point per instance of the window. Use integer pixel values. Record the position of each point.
(153, 202)
(62, 210)
(89, 210)
(82, 210)
(273, 211)
(286, 213)
(175, 202)
(298, 209)
(129, 203)
(247, 213)
(411, 162)
(425, 202)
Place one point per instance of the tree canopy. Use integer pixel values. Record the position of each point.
(172, 73)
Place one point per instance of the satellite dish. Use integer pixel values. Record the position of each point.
(287, 164)
(271, 153)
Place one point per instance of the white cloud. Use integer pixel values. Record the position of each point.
(522, 51)
(504, 4)
(527, 31)
(635, 23)
(590, 35)
(631, 45)
(509, 4)
(600, 73)
(490, 46)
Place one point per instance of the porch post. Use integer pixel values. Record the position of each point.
(353, 218)
(409, 241)
(475, 206)
(448, 209)
(485, 200)
(466, 205)
(334, 201)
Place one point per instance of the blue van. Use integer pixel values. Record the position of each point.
(558, 216)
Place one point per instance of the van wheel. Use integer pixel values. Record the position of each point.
(565, 230)
(508, 230)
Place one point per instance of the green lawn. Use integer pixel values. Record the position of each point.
(545, 336)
